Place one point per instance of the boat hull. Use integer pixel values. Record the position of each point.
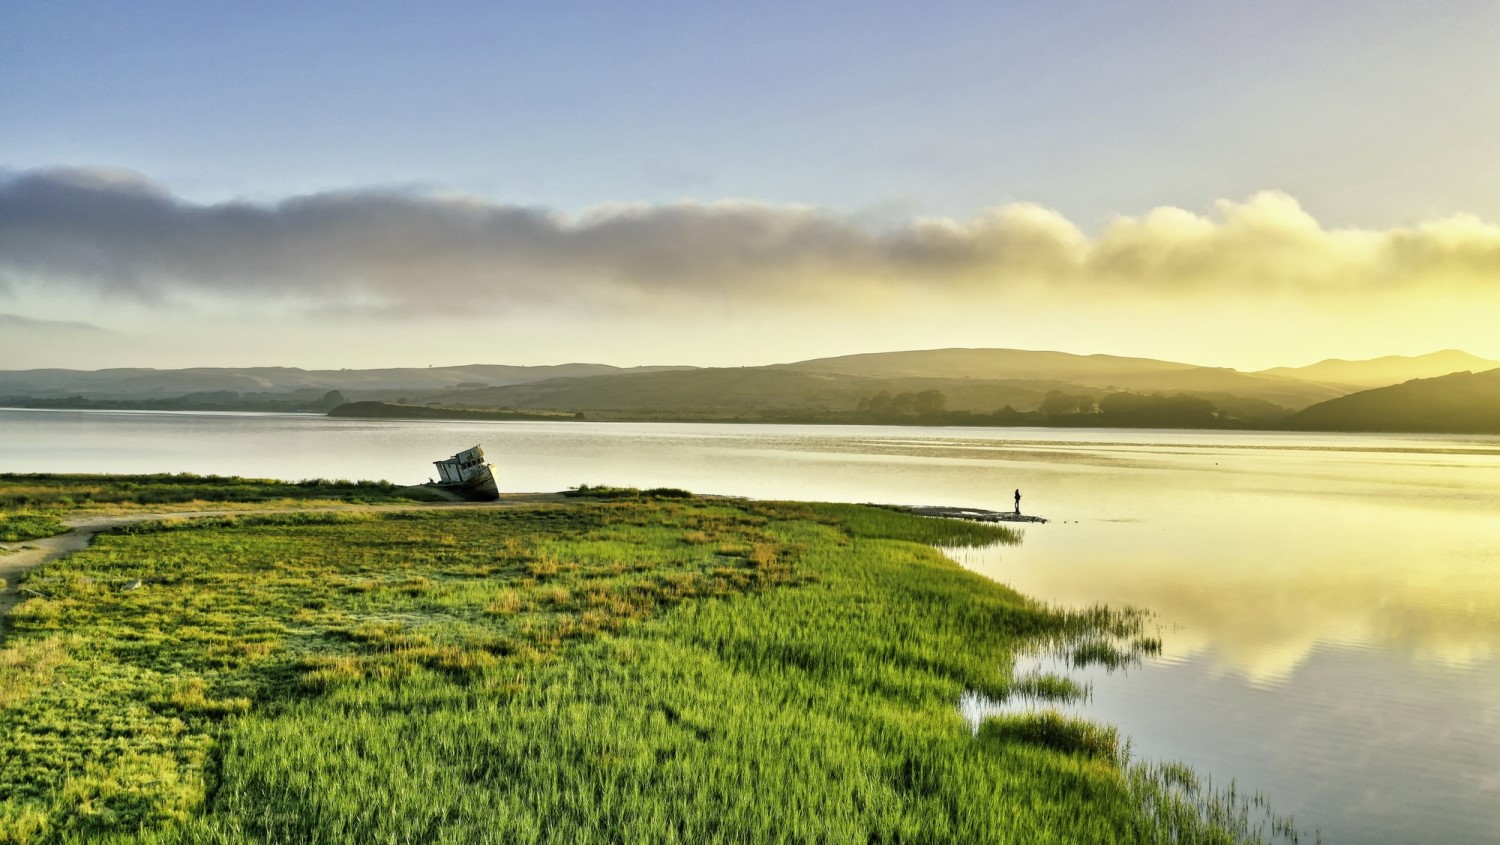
(467, 476)
(480, 487)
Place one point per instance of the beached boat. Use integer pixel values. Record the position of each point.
(468, 475)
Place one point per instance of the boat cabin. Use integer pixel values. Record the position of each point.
(460, 467)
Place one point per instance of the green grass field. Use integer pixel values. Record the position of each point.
(17, 527)
(32, 504)
(36, 492)
(632, 670)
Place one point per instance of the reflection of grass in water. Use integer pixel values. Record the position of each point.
(1113, 653)
(1172, 790)
(1111, 637)
(1045, 686)
(640, 670)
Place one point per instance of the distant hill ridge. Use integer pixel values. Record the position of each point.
(985, 381)
(984, 363)
(977, 380)
(1063, 368)
(1459, 403)
(1388, 370)
(147, 383)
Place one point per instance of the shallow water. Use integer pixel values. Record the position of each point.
(1329, 604)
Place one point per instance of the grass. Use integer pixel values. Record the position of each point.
(31, 492)
(638, 669)
(32, 506)
(1050, 729)
(17, 527)
(606, 492)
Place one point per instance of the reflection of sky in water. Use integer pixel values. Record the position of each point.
(1255, 580)
(1367, 746)
(1330, 604)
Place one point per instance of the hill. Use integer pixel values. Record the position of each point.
(771, 394)
(936, 386)
(1389, 370)
(1460, 403)
(145, 383)
(977, 380)
(984, 363)
(1103, 372)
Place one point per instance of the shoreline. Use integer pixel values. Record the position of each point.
(20, 558)
(973, 514)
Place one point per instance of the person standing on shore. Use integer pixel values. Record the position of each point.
(1018, 502)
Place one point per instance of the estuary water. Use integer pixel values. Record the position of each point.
(1329, 605)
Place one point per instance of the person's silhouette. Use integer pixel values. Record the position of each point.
(1018, 502)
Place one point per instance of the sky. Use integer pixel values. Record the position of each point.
(382, 184)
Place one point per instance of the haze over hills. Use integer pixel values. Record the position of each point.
(985, 363)
(1460, 403)
(1391, 369)
(1102, 372)
(145, 383)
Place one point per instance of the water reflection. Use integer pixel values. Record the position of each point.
(1256, 589)
(1330, 633)
(1361, 745)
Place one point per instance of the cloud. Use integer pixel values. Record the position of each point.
(16, 322)
(116, 233)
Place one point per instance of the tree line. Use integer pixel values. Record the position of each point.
(1117, 409)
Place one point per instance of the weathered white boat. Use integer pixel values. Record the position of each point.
(468, 475)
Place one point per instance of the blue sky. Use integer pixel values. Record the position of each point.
(1090, 108)
(1372, 115)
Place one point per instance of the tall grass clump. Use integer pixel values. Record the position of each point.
(1050, 729)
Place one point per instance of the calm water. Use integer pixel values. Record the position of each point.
(1329, 604)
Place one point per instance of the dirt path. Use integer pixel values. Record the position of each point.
(16, 559)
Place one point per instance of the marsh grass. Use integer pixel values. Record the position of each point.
(18, 527)
(628, 669)
(877, 521)
(29, 492)
(1045, 686)
(1050, 729)
(606, 492)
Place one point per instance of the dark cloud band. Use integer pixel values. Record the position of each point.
(117, 233)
